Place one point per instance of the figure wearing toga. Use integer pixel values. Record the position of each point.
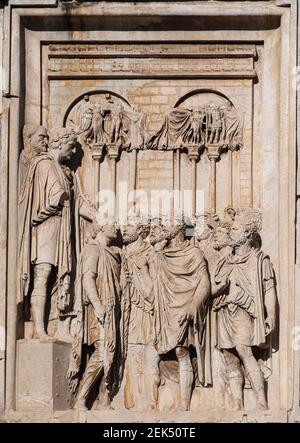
(49, 200)
(245, 304)
(137, 314)
(181, 291)
(98, 312)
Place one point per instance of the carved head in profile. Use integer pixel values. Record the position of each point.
(177, 229)
(229, 213)
(204, 231)
(35, 139)
(132, 231)
(158, 232)
(221, 236)
(63, 141)
(109, 231)
(245, 227)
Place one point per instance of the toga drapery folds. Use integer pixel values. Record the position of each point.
(49, 223)
(251, 275)
(181, 272)
(105, 263)
(182, 126)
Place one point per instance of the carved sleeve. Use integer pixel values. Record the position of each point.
(49, 193)
(269, 288)
(268, 274)
(204, 288)
(90, 259)
(89, 272)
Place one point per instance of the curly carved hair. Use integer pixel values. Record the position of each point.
(59, 135)
(251, 219)
(143, 227)
(96, 227)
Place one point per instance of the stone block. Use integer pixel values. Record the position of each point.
(41, 370)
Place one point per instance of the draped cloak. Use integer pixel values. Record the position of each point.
(251, 276)
(45, 223)
(137, 296)
(174, 132)
(180, 270)
(233, 130)
(24, 163)
(105, 262)
(182, 126)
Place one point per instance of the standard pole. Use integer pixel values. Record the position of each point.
(213, 184)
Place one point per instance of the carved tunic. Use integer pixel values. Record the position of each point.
(240, 313)
(44, 221)
(137, 290)
(103, 262)
(51, 242)
(179, 273)
(24, 164)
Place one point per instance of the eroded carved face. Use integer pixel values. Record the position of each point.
(67, 149)
(238, 234)
(157, 234)
(203, 234)
(230, 212)
(39, 141)
(175, 229)
(221, 238)
(111, 232)
(130, 233)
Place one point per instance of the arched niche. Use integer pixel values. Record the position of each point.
(211, 110)
(101, 97)
(203, 97)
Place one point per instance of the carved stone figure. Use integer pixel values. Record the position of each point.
(137, 313)
(35, 141)
(209, 125)
(98, 309)
(196, 120)
(46, 206)
(181, 291)
(104, 120)
(134, 136)
(99, 135)
(214, 125)
(233, 125)
(245, 306)
(176, 130)
(114, 122)
(216, 244)
(85, 117)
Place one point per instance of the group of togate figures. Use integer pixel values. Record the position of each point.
(143, 287)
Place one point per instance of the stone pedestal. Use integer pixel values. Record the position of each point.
(41, 370)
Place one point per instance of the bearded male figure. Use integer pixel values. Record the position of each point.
(181, 291)
(137, 314)
(35, 143)
(50, 204)
(98, 312)
(215, 244)
(245, 287)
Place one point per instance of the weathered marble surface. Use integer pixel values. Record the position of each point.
(171, 98)
(46, 388)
